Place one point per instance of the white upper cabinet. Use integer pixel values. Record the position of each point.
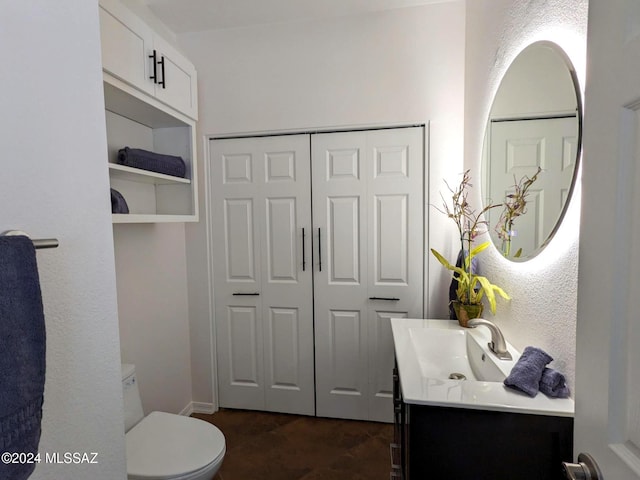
(126, 41)
(177, 79)
(134, 53)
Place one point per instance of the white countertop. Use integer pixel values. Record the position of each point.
(473, 394)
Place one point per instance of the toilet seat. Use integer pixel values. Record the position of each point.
(167, 446)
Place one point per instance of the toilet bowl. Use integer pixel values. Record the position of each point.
(165, 446)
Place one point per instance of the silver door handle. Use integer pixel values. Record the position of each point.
(585, 469)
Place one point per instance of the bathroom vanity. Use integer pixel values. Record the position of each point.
(469, 426)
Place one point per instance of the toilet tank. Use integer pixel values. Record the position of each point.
(133, 412)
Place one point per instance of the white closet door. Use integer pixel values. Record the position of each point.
(340, 286)
(395, 249)
(262, 284)
(368, 225)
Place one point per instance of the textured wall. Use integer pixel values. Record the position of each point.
(54, 183)
(542, 311)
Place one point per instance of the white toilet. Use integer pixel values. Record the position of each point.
(165, 446)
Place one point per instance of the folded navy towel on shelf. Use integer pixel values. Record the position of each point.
(118, 203)
(22, 354)
(154, 162)
(526, 373)
(554, 384)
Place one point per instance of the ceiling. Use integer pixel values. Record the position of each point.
(183, 16)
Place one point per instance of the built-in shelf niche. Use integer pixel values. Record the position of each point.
(138, 122)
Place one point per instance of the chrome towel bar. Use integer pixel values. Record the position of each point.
(38, 243)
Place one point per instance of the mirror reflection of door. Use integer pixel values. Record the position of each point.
(534, 122)
(517, 148)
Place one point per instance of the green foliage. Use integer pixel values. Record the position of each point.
(471, 287)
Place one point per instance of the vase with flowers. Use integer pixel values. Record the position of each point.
(471, 287)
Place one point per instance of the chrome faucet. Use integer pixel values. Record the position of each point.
(497, 344)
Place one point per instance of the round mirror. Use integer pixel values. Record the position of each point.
(531, 150)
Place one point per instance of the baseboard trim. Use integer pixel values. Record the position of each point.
(200, 407)
(186, 411)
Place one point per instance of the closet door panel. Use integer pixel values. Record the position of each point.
(343, 240)
(346, 353)
(243, 368)
(390, 245)
(282, 262)
(237, 274)
(396, 249)
(287, 279)
(340, 290)
(239, 240)
(282, 334)
(261, 203)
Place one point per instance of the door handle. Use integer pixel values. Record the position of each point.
(319, 251)
(163, 81)
(304, 263)
(387, 299)
(241, 294)
(585, 469)
(154, 77)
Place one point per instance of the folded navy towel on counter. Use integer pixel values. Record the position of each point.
(526, 373)
(154, 162)
(118, 203)
(554, 384)
(22, 354)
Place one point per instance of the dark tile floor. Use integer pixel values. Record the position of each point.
(273, 446)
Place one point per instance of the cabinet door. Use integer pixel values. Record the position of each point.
(261, 204)
(178, 87)
(367, 210)
(126, 44)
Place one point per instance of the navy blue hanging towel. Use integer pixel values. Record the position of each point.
(22, 354)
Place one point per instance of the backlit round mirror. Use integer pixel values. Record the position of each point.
(531, 150)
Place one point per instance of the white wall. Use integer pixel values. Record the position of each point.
(542, 311)
(54, 184)
(151, 277)
(397, 66)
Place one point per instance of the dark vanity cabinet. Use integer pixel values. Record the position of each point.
(441, 443)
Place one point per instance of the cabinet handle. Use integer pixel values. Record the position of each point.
(304, 263)
(388, 299)
(162, 82)
(319, 251)
(154, 77)
(240, 294)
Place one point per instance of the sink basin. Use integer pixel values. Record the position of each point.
(443, 364)
(456, 354)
